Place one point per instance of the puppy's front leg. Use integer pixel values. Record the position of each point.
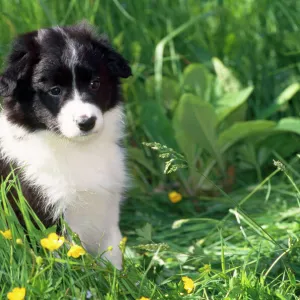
(112, 238)
(97, 224)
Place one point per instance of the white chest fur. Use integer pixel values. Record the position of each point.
(84, 179)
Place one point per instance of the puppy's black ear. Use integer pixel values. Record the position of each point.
(117, 64)
(24, 54)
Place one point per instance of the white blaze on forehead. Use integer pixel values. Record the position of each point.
(73, 59)
(72, 65)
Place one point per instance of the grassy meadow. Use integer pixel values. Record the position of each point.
(212, 114)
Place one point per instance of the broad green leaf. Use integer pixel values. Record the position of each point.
(225, 76)
(231, 101)
(241, 130)
(283, 98)
(195, 121)
(237, 115)
(289, 124)
(197, 79)
(156, 125)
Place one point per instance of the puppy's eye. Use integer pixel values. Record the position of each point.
(94, 85)
(55, 91)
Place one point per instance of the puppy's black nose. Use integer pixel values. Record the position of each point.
(86, 123)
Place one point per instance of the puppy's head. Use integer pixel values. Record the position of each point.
(62, 79)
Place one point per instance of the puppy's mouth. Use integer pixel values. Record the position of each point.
(89, 133)
(79, 136)
(84, 136)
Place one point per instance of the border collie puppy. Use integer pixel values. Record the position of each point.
(60, 128)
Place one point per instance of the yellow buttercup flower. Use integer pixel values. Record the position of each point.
(6, 234)
(75, 251)
(175, 197)
(188, 284)
(52, 242)
(17, 294)
(144, 298)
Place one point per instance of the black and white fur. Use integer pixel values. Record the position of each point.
(60, 128)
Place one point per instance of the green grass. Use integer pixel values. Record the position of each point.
(237, 241)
